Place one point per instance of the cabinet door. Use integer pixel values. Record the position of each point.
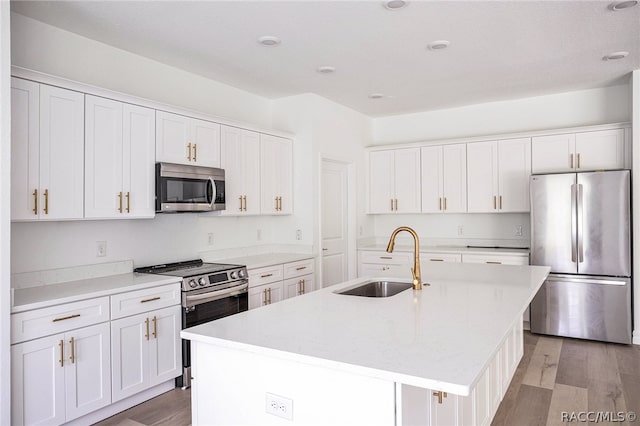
(205, 139)
(61, 153)
(431, 179)
(407, 181)
(381, 181)
(257, 296)
(297, 286)
(87, 370)
(276, 171)
(482, 177)
(600, 150)
(514, 169)
(165, 349)
(103, 194)
(37, 382)
(251, 172)
(130, 356)
(554, 153)
(25, 149)
(139, 161)
(231, 160)
(454, 178)
(172, 138)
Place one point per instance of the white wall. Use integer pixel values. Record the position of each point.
(635, 143)
(48, 49)
(579, 108)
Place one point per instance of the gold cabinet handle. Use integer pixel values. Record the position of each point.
(436, 260)
(439, 203)
(578, 160)
(61, 344)
(494, 202)
(571, 161)
(301, 286)
(276, 203)
(392, 204)
(189, 155)
(155, 327)
(500, 202)
(264, 297)
(396, 204)
(72, 342)
(244, 202)
(128, 202)
(35, 201)
(150, 300)
(195, 152)
(265, 275)
(492, 262)
(46, 201)
(445, 203)
(240, 197)
(440, 395)
(301, 268)
(269, 296)
(66, 318)
(120, 201)
(146, 323)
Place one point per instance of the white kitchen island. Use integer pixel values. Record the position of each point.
(442, 355)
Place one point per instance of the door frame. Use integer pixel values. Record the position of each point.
(352, 264)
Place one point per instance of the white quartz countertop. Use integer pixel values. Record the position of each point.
(26, 299)
(441, 337)
(448, 249)
(267, 259)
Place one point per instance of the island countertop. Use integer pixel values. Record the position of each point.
(441, 337)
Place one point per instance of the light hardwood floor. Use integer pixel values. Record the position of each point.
(555, 375)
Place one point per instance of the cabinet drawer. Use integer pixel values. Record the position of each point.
(440, 257)
(502, 259)
(57, 319)
(265, 275)
(296, 269)
(382, 257)
(135, 302)
(385, 271)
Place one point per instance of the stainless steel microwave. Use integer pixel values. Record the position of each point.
(182, 188)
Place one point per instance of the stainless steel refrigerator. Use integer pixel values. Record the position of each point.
(581, 228)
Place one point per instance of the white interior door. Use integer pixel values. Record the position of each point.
(334, 222)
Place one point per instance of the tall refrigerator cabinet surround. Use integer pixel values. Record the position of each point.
(581, 228)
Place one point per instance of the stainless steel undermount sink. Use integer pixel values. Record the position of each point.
(377, 289)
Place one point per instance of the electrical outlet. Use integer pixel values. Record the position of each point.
(210, 238)
(259, 235)
(101, 248)
(279, 406)
(298, 234)
(460, 230)
(518, 230)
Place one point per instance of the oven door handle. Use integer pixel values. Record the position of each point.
(197, 299)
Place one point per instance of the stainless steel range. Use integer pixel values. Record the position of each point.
(209, 291)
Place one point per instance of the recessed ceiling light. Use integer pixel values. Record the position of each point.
(438, 45)
(394, 4)
(326, 70)
(620, 5)
(376, 96)
(269, 41)
(615, 55)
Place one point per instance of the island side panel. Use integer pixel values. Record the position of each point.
(230, 386)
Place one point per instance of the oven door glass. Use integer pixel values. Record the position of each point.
(186, 194)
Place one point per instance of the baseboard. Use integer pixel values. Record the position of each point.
(636, 337)
(124, 404)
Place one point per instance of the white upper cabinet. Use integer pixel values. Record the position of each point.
(574, 152)
(498, 175)
(240, 159)
(444, 179)
(394, 181)
(276, 168)
(119, 159)
(185, 140)
(47, 152)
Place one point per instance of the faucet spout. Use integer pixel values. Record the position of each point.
(415, 271)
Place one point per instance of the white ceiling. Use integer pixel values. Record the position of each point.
(499, 49)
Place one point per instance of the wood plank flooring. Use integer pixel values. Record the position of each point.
(555, 375)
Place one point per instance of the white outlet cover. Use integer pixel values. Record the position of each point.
(279, 406)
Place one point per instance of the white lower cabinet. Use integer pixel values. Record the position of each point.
(274, 283)
(298, 286)
(58, 378)
(265, 294)
(497, 259)
(146, 350)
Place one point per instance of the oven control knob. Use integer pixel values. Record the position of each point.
(193, 283)
(234, 275)
(202, 281)
(241, 273)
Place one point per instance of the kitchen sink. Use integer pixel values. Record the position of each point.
(377, 289)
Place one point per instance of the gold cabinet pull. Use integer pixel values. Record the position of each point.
(155, 327)
(150, 300)
(72, 357)
(61, 344)
(120, 201)
(439, 203)
(571, 161)
(146, 323)
(269, 296)
(500, 202)
(276, 203)
(264, 297)
(66, 318)
(392, 204)
(35, 201)
(492, 262)
(265, 275)
(128, 202)
(494, 202)
(386, 257)
(396, 204)
(240, 197)
(244, 202)
(301, 286)
(578, 160)
(445, 203)
(440, 395)
(189, 155)
(301, 268)
(436, 260)
(46, 201)
(195, 152)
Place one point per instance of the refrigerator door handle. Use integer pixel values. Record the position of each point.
(580, 223)
(574, 225)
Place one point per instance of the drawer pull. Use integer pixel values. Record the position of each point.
(301, 268)
(66, 318)
(436, 260)
(266, 275)
(493, 262)
(150, 300)
(386, 257)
